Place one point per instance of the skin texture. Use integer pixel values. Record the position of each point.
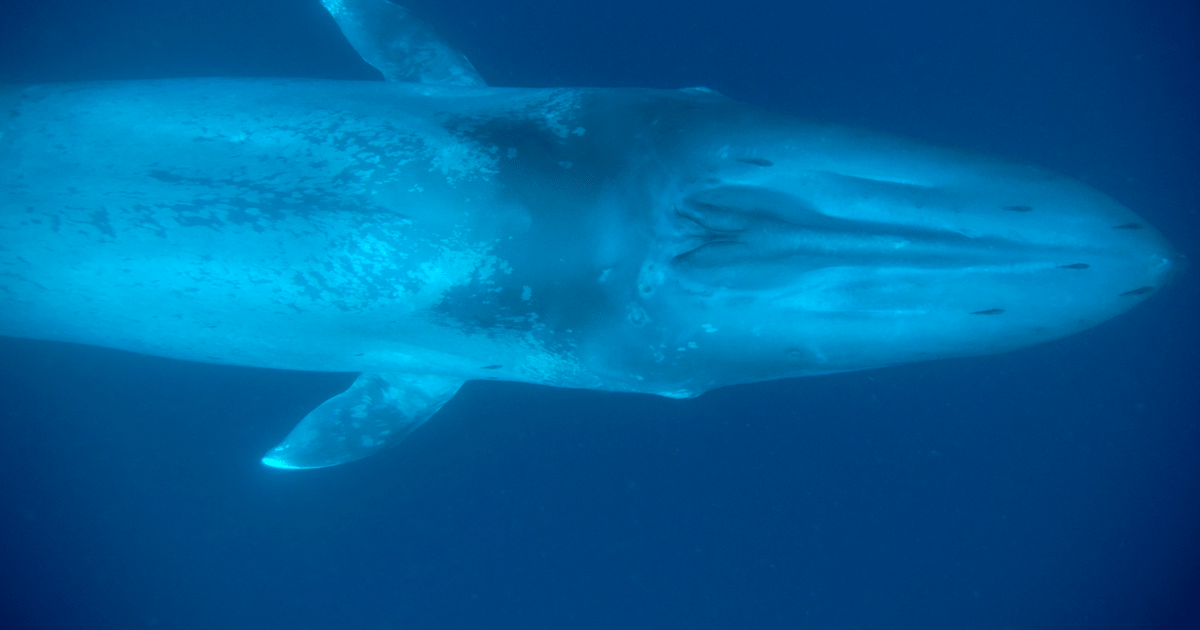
(572, 237)
(429, 233)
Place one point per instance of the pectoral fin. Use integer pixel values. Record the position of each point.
(376, 412)
(401, 46)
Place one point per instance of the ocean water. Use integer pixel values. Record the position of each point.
(1055, 487)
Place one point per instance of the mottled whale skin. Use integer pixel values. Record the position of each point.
(429, 233)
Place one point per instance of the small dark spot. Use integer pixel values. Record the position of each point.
(990, 311)
(1127, 226)
(358, 354)
(1138, 291)
(1075, 266)
(756, 161)
(1019, 208)
(214, 358)
(492, 367)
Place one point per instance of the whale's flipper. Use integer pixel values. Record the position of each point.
(376, 412)
(399, 45)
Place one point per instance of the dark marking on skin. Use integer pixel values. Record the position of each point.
(1127, 226)
(1138, 291)
(756, 161)
(1019, 208)
(99, 220)
(164, 176)
(492, 367)
(990, 311)
(358, 354)
(1075, 266)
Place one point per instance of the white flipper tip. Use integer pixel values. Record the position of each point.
(275, 462)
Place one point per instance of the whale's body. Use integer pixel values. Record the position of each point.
(429, 233)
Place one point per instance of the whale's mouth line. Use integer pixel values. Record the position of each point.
(819, 247)
(736, 227)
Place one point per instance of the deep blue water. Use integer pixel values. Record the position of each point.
(1055, 487)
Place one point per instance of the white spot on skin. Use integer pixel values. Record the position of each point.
(556, 109)
(526, 293)
(708, 328)
(457, 159)
(453, 268)
(636, 315)
(579, 131)
(566, 164)
(512, 152)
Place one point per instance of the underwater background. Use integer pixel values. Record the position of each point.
(1054, 487)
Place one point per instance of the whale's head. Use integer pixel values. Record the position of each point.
(799, 249)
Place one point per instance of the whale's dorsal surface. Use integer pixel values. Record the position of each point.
(430, 230)
(400, 45)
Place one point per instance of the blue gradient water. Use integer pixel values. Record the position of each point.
(1056, 487)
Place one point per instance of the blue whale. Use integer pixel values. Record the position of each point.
(430, 230)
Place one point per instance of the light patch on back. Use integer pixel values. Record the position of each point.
(454, 268)
(538, 364)
(557, 113)
(460, 159)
